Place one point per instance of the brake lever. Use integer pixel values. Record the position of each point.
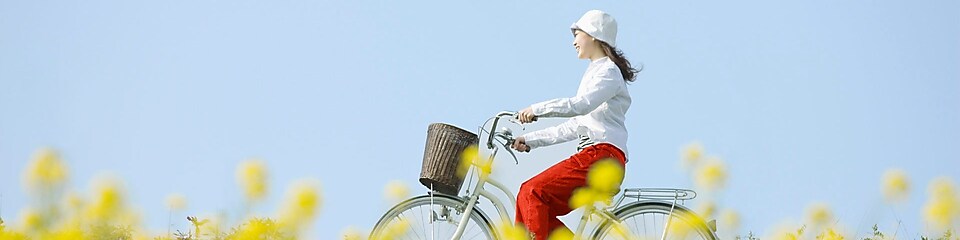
(507, 135)
(506, 145)
(516, 121)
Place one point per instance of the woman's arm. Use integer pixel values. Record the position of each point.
(564, 132)
(603, 86)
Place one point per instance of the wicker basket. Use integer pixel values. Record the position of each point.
(441, 157)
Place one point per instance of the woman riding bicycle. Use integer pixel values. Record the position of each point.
(597, 115)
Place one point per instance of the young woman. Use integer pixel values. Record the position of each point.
(596, 115)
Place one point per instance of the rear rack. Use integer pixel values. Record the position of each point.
(662, 194)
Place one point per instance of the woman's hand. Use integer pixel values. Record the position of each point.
(520, 145)
(526, 116)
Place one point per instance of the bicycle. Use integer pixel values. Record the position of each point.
(653, 213)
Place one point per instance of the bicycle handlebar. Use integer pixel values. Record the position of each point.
(493, 128)
(506, 134)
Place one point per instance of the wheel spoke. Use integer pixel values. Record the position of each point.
(443, 228)
(649, 221)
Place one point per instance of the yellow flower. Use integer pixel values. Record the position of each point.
(707, 209)
(584, 196)
(69, 233)
(45, 170)
(830, 234)
(12, 235)
(895, 185)
(252, 177)
(73, 201)
(394, 230)
(511, 231)
(819, 215)
(107, 201)
(691, 155)
(396, 191)
(351, 233)
(621, 231)
(560, 234)
(605, 176)
(257, 229)
(942, 206)
(679, 230)
(32, 220)
(176, 202)
(302, 204)
(470, 156)
(208, 224)
(712, 175)
(730, 219)
(783, 232)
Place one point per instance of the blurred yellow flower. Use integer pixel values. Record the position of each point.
(605, 176)
(257, 229)
(896, 185)
(603, 181)
(511, 231)
(707, 209)
(214, 224)
(584, 196)
(830, 234)
(46, 170)
(681, 229)
(621, 231)
(396, 191)
(73, 201)
(303, 201)
(176, 202)
(32, 220)
(107, 199)
(819, 215)
(942, 205)
(691, 155)
(730, 220)
(351, 233)
(783, 232)
(712, 175)
(69, 233)
(471, 156)
(11, 235)
(560, 234)
(394, 230)
(252, 177)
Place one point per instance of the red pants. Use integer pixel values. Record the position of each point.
(545, 196)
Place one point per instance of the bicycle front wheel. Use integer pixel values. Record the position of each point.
(648, 219)
(437, 218)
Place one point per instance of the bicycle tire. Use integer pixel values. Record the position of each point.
(420, 226)
(628, 215)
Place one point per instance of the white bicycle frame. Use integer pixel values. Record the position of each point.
(484, 178)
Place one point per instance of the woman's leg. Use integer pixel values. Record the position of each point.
(545, 196)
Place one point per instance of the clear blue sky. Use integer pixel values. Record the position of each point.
(807, 101)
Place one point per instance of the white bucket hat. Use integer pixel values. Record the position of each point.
(599, 25)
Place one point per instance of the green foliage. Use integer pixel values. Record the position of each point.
(749, 236)
(109, 231)
(877, 235)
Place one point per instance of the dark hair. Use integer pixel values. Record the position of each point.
(629, 73)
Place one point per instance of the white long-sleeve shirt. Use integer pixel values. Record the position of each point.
(597, 111)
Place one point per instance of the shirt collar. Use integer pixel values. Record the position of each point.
(599, 61)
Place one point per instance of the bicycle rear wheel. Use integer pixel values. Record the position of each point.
(418, 218)
(647, 220)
